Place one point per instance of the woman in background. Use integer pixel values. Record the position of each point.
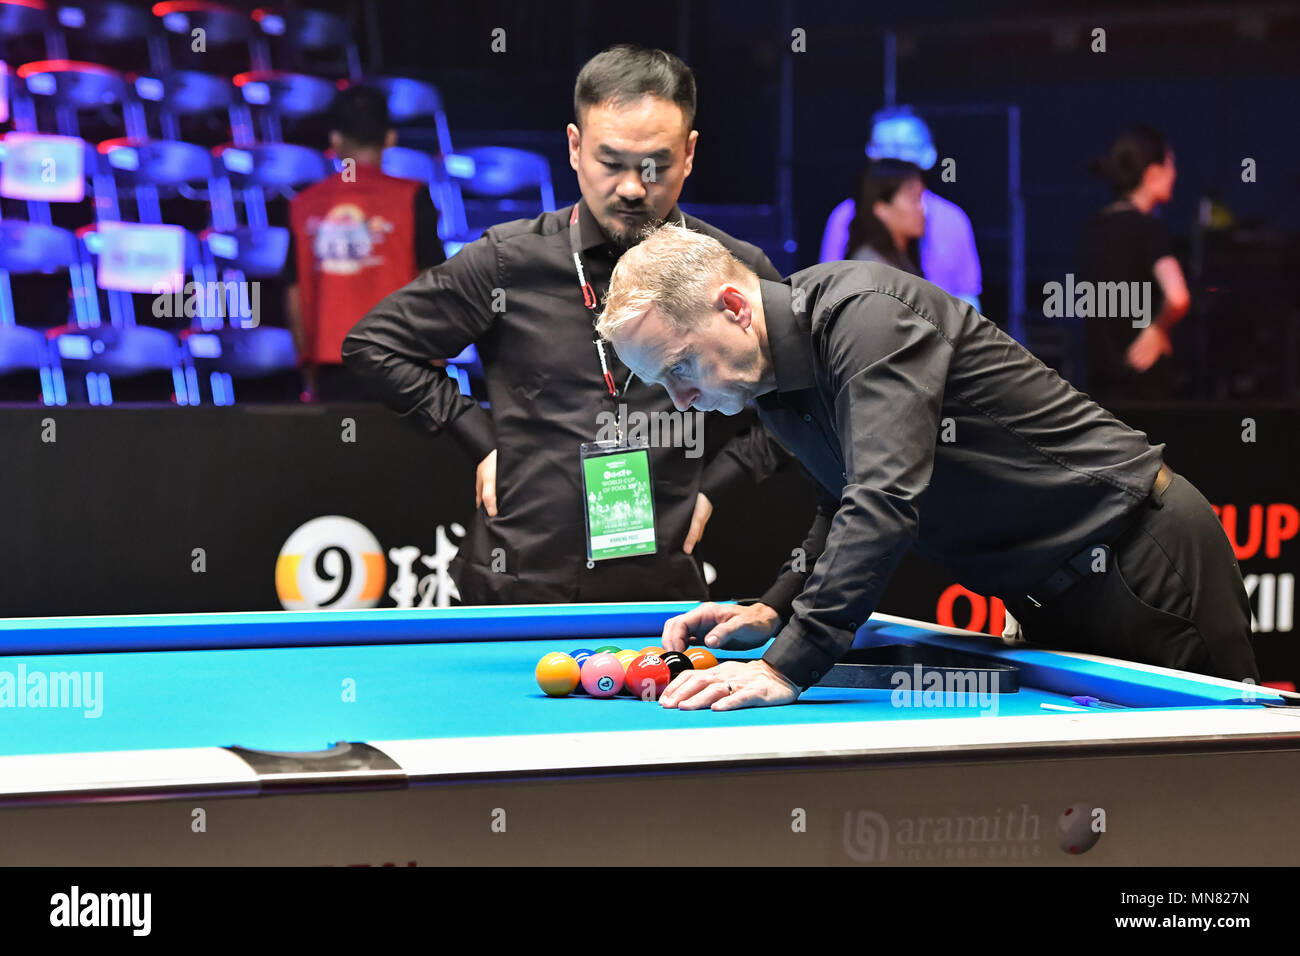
(1124, 242)
(888, 221)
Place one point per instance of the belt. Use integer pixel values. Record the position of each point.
(1078, 567)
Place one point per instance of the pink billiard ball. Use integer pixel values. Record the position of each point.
(602, 675)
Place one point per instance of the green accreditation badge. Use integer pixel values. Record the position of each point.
(619, 499)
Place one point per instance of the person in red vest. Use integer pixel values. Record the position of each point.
(355, 237)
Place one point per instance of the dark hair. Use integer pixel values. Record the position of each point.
(625, 73)
(1129, 157)
(880, 181)
(361, 115)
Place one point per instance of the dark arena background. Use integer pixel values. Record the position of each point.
(175, 439)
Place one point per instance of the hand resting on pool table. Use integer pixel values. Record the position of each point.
(729, 686)
(732, 684)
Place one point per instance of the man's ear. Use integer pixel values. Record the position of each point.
(336, 141)
(692, 138)
(733, 300)
(391, 139)
(575, 142)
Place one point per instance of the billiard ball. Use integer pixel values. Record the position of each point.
(651, 650)
(677, 662)
(1075, 829)
(626, 658)
(557, 674)
(581, 654)
(602, 675)
(608, 649)
(701, 658)
(647, 676)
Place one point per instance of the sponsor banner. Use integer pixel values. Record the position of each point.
(151, 510)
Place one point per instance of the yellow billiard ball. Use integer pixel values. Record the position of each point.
(626, 657)
(557, 674)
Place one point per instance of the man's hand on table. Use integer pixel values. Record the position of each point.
(731, 684)
(730, 626)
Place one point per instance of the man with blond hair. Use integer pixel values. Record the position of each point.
(925, 426)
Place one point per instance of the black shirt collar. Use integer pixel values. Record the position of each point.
(789, 337)
(591, 236)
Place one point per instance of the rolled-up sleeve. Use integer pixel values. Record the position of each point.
(887, 365)
(435, 316)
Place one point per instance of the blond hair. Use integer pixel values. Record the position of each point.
(674, 269)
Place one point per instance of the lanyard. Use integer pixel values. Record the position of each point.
(589, 296)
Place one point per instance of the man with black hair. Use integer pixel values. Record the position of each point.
(355, 237)
(527, 293)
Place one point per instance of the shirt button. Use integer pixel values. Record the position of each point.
(815, 675)
(807, 418)
(853, 625)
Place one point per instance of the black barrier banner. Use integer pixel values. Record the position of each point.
(150, 510)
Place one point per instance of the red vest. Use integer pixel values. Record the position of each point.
(355, 244)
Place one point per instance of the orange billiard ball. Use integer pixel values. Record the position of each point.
(650, 650)
(701, 658)
(557, 674)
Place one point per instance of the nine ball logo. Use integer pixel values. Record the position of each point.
(330, 562)
(606, 684)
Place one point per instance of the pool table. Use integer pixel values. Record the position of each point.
(405, 737)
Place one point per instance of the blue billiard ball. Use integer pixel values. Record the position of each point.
(581, 655)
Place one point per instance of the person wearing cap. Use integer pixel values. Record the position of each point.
(925, 427)
(948, 255)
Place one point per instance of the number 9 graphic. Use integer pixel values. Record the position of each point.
(330, 562)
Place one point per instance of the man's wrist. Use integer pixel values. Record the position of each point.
(773, 672)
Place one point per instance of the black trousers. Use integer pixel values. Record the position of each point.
(1170, 594)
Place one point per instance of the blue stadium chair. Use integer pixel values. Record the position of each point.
(25, 363)
(312, 32)
(238, 256)
(410, 164)
(413, 164)
(276, 93)
(181, 94)
(144, 166)
(71, 88)
(496, 176)
(113, 26)
(140, 363)
(412, 101)
(220, 356)
(254, 168)
(121, 298)
(22, 18)
(222, 27)
(28, 247)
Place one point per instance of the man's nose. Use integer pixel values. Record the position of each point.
(631, 185)
(683, 398)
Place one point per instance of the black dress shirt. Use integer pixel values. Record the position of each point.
(515, 294)
(926, 426)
